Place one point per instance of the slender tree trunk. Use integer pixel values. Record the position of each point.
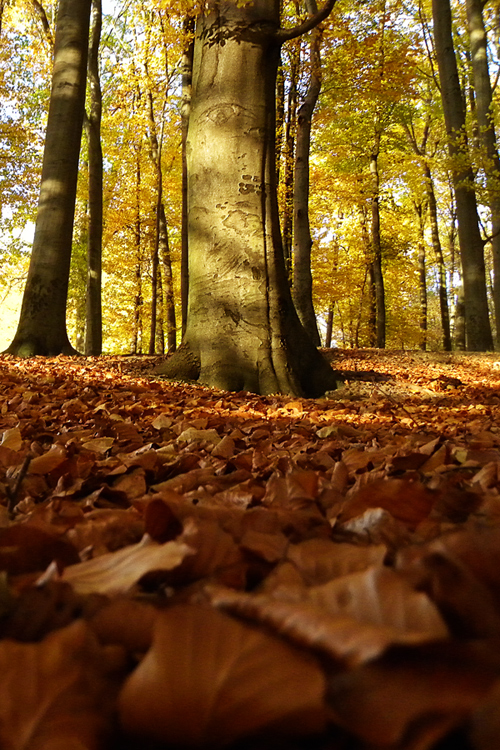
(378, 278)
(280, 117)
(487, 136)
(42, 15)
(438, 254)
(138, 299)
(42, 324)
(243, 332)
(302, 243)
(478, 330)
(93, 331)
(160, 334)
(372, 305)
(168, 283)
(289, 161)
(329, 324)
(187, 75)
(422, 280)
(154, 296)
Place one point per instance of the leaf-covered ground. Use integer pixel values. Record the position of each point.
(188, 567)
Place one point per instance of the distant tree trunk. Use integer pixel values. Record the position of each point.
(372, 307)
(289, 154)
(154, 296)
(422, 281)
(160, 334)
(138, 298)
(302, 240)
(487, 136)
(378, 278)
(438, 254)
(168, 283)
(187, 75)
(93, 330)
(42, 324)
(329, 324)
(478, 330)
(280, 118)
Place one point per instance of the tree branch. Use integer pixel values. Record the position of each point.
(284, 35)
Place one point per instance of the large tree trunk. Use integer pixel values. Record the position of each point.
(93, 331)
(42, 324)
(243, 332)
(487, 136)
(478, 330)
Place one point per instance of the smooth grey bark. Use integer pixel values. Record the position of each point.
(478, 330)
(243, 332)
(487, 136)
(42, 324)
(93, 330)
(302, 240)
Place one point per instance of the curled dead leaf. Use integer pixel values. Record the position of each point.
(117, 572)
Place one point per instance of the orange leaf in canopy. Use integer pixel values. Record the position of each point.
(410, 502)
(117, 572)
(209, 680)
(57, 694)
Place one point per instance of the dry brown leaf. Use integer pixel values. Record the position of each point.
(384, 700)
(380, 596)
(56, 695)
(48, 461)
(208, 680)
(12, 439)
(117, 572)
(303, 622)
(320, 560)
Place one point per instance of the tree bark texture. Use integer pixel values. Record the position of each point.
(478, 330)
(42, 324)
(302, 240)
(93, 330)
(243, 332)
(487, 136)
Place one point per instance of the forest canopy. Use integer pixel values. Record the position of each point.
(378, 144)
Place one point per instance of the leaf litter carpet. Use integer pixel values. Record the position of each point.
(185, 567)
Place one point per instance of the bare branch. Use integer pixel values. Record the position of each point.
(284, 35)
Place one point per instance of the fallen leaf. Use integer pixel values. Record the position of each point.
(117, 572)
(209, 680)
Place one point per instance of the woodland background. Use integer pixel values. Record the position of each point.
(380, 97)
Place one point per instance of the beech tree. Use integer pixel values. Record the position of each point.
(478, 330)
(42, 324)
(242, 332)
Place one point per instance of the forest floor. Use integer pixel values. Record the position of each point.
(190, 567)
